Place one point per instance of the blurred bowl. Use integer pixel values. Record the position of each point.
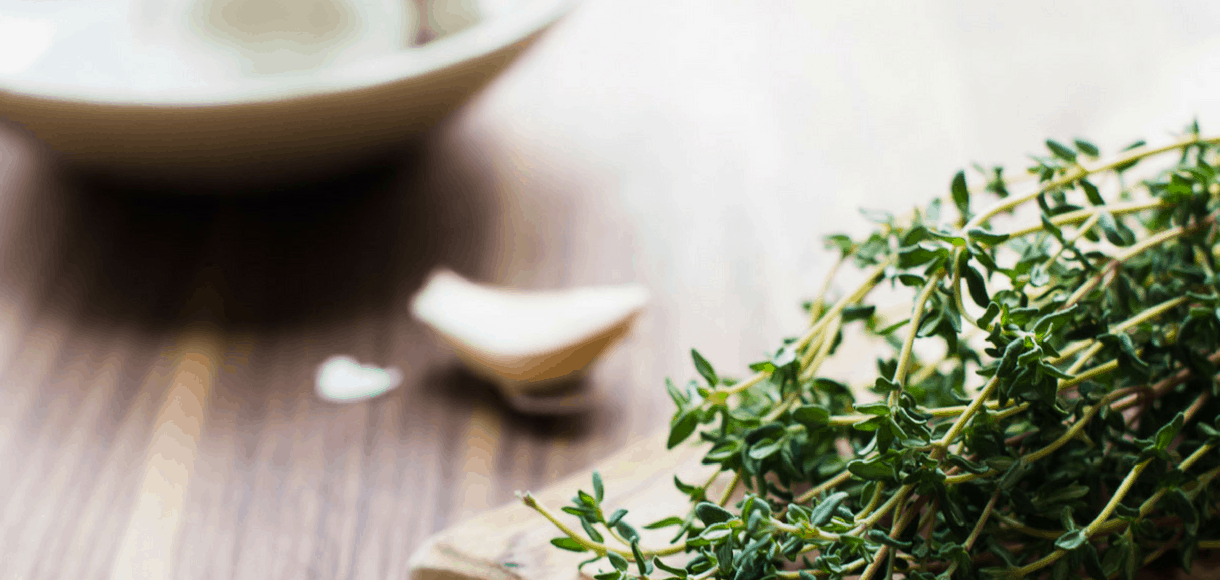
(131, 95)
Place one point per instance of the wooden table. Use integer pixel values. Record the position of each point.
(699, 147)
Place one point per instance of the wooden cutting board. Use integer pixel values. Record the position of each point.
(513, 541)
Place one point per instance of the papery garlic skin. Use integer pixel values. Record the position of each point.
(342, 379)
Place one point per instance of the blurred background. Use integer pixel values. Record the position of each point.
(700, 148)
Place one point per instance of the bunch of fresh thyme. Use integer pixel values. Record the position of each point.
(1073, 435)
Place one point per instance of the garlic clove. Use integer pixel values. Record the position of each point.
(341, 379)
(527, 341)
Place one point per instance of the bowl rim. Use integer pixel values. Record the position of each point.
(482, 39)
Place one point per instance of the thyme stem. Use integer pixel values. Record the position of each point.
(978, 529)
(829, 484)
(1091, 214)
(1082, 172)
(904, 358)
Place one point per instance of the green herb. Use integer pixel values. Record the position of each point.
(1069, 431)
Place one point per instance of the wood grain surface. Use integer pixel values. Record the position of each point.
(513, 541)
(702, 148)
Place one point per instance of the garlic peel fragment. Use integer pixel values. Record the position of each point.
(527, 341)
(341, 379)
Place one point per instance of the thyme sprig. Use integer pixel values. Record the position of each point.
(1073, 435)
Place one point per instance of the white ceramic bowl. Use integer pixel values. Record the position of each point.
(142, 88)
